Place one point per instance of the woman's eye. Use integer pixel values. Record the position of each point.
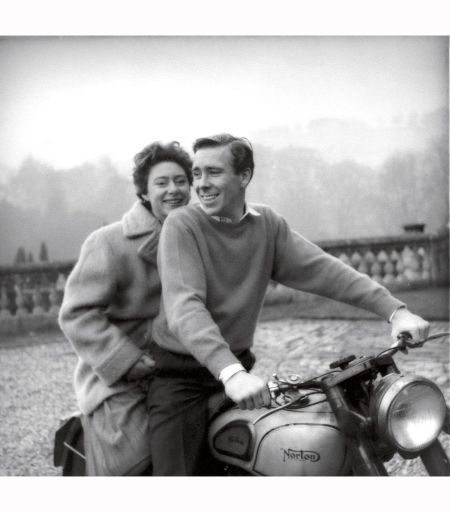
(161, 183)
(181, 181)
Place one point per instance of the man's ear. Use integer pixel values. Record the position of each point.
(246, 176)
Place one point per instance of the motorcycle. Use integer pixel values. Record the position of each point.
(350, 420)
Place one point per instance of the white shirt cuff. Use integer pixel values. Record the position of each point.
(395, 311)
(229, 371)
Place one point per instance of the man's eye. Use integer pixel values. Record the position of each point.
(215, 173)
(197, 175)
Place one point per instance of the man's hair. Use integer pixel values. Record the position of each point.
(155, 153)
(240, 147)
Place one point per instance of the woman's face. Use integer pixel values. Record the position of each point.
(167, 188)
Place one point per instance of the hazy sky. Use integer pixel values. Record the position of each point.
(68, 100)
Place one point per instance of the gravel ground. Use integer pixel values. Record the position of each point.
(36, 387)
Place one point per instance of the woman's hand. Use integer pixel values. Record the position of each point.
(141, 368)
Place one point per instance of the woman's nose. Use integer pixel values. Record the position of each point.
(172, 186)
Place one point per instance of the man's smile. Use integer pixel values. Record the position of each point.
(207, 198)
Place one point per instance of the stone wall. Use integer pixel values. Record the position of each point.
(31, 294)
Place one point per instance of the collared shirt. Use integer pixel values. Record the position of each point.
(248, 210)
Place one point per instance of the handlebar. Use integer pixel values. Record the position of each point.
(404, 342)
(279, 386)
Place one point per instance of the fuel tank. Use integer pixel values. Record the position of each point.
(299, 441)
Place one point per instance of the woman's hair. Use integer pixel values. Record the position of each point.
(155, 153)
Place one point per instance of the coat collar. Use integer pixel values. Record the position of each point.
(137, 222)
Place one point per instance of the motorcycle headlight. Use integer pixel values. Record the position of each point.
(408, 412)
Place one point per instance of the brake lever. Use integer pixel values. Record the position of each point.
(404, 338)
(403, 344)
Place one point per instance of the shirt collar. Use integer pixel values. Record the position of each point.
(248, 210)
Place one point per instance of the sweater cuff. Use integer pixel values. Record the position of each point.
(118, 363)
(220, 362)
(383, 304)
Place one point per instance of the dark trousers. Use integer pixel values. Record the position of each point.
(178, 410)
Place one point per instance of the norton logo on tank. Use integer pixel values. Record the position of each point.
(300, 455)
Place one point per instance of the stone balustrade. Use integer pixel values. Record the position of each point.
(31, 294)
(404, 262)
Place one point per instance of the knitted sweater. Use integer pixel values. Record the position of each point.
(215, 275)
(110, 300)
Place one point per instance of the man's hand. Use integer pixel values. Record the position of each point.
(247, 391)
(405, 321)
(141, 368)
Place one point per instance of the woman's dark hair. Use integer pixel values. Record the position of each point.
(155, 153)
(240, 148)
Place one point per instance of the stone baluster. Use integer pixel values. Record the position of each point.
(54, 301)
(20, 301)
(376, 270)
(363, 267)
(355, 260)
(411, 265)
(400, 278)
(369, 259)
(60, 282)
(425, 265)
(37, 301)
(389, 269)
(4, 304)
(344, 258)
(59, 286)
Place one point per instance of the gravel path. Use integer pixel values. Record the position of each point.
(36, 387)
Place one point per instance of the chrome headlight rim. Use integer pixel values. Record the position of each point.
(384, 398)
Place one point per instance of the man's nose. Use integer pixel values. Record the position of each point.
(203, 181)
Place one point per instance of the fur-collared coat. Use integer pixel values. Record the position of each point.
(110, 300)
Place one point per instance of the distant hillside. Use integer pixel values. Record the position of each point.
(352, 139)
(348, 199)
(321, 195)
(60, 208)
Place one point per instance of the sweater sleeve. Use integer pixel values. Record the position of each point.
(89, 290)
(184, 294)
(303, 265)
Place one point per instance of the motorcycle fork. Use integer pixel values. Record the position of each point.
(435, 460)
(365, 460)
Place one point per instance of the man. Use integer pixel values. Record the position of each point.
(215, 260)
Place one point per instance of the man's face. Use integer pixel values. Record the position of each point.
(221, 191)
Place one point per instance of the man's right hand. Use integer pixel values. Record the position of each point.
(247, 391)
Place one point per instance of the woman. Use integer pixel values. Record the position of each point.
(110, 300)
